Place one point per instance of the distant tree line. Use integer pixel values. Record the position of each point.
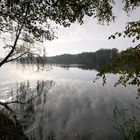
(91, 59)
(99, 57)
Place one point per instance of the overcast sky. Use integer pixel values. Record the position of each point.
(90, 36)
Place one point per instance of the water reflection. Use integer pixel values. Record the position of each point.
(83, 67)
(65, 104)
(10, 74)
(68, 111)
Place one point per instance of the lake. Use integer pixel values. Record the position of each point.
(75, 107)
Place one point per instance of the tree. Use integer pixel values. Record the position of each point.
(30, 20)
(127, 64)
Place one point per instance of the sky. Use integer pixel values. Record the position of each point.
(90, 36)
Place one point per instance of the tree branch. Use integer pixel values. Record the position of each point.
(15, 42)
(13, 48)
(14, 102)
(7, 107)
(16, 57)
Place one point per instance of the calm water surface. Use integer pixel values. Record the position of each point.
(77, 106)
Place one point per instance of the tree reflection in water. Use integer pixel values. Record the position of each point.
(48, 115)
(31, 102)
(38, 120)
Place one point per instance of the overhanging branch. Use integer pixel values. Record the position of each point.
(13, 48)
(15, 42)
(16, 57)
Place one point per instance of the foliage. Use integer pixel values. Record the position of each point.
(132, 30)
(126, 64)
(126, 124)
(8, 129)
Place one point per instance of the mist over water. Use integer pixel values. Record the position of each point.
(74, 107)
